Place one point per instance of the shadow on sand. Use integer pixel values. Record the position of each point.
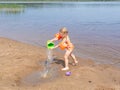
(59, 61)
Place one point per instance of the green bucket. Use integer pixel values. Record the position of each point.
(50, 44)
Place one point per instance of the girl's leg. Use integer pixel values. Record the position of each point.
(74, 58)
(67, 54)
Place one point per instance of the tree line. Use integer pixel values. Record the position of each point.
(59, 0)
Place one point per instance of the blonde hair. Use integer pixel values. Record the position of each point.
(64, 30)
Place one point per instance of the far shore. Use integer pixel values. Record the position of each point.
(35, 2)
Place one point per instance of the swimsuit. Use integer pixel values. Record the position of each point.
(64, 45)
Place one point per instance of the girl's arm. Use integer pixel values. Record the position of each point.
(54, 39)
(56, 46)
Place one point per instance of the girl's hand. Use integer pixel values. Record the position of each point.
(56, 47)
(52, 48)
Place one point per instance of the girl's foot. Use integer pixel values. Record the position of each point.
(66, 68)
(75, 63)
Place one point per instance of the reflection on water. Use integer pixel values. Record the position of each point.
(11, 9)
(14, 8)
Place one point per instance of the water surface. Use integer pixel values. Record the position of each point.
(94, 27)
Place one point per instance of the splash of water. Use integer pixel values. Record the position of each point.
(49, 56)
(47, 65)
(48, 73)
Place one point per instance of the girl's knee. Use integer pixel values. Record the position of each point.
(72, 54)
(66, 56)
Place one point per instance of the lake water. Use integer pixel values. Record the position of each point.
(94, 27)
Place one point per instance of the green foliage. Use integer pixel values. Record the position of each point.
(59, 0)
(10, 6)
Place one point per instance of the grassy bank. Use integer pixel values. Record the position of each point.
(11, 6)
(59, 0)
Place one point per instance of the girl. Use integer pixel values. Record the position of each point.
(65, 44)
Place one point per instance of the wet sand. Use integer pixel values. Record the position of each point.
(18, 60)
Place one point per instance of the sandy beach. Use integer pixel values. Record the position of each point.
(18, 60)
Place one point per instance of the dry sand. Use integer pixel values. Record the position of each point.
(17, 60)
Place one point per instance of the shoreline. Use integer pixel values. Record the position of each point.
(24, 59)
(37, 2)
